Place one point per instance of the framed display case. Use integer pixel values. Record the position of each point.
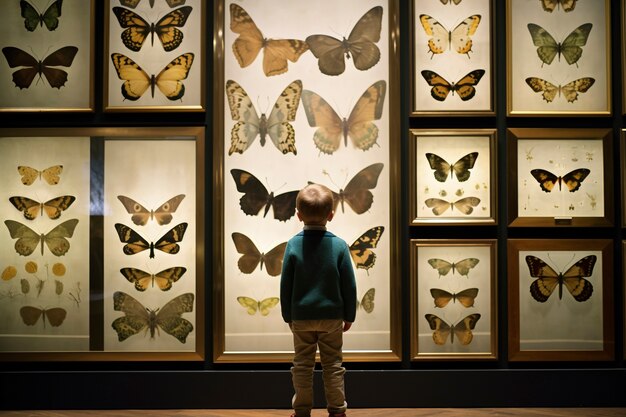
(560, 177)
(558, 65)
(48, 58)
(452, 58)
(356, 157)
(561, 300)
(453, 177)
(453, 299)
(154, 55)
(102, 268)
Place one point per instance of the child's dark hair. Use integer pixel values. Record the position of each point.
(314, 203)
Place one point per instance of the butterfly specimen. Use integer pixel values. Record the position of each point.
(136, 29)
(361, 249)
(572, 180)
(28, 239)
(548, 279)
(357, 193)
(548, 48)
(32, 17)
(464, 87)
(358, 126)
(30, 315)
(24, 77)
(256, 197)
(570, 90)
(462, 266)
(133, 3)
(263, 306)
(443, 297)
(249, 125)
(462, 330)
(367, 302)
(137, 317)
(252, 257)
(464, 205)
(53, 207)
(50, 175)
(164, 279)
(450, 1)
(550, 5)
(135, 243)
(360, 45)
(137, 81)
(250, 41)
(140, 215)
(442, 40)
(460, 168)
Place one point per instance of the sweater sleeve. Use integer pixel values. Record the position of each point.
(348, 286)
(286, 286)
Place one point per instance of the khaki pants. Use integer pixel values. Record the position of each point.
(308, 336)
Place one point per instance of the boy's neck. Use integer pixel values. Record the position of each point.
(312, 226)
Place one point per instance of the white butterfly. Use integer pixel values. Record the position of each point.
(443, 40)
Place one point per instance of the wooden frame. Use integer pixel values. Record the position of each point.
(582, 329)
(434, 177)
(538, 189)
(179, 57)
(65, 82)
(65, 295)
(289, 169)
(464, 276)
(540, 83)
(624, 286)
(623, 172)
(437, 87)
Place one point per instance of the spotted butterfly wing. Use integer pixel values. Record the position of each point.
(572, 180)
(548, 279)
(442, 40)
(163, 279)
(550, 5)
(140, 215)
(360, 45)
(460, 168)
(53, 207)
(361, 250)
(464, 205)
(465, 87)
(55, 239)
(24, 77)
(51, 175)
(256, 197)
(32, 18)
(262, 306)
(462, 330)
(252, 257)
(548, 48)
(55, 316)
(134, 243)
(442, 297)
(367, 301)
(462, 266)
(249, 125)
(570, 90)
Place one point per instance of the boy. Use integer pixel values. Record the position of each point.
(318, 300)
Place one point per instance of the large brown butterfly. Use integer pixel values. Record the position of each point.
(444, 267)
(252, 257)
(24, 77)
(361, 45)
(464, 87)
(247, 46)
(134, 243)
(548, 279)
(164, 279)
(550, 5)
(570, 90)
(256, 197)
(140, 215)
(358, 126)
(548, 48)
(361, 249)
(357, 193)
(572, 180)
(51, 175)
(137, 317)
(30, 315)
(55, 239)
(53, 207)
(442, 39)
(462, 330)
(460, 168)
(442, 297)
(464, 205)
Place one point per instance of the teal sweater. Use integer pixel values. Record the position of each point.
(317, 280)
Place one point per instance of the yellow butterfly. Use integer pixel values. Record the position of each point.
(462, 330)
(358, 126)
(137, 317)
(134, 243)
(360, 45)
(252, 257)
(444, 267)
(460, 168)
(263, 306)
(548, 47)
(140, 215)
(572, 180)
(250, 41)
(548, 279)
(367, 302)
(570, 90)
(443, 40)
(443, 297)
(550, 5)
(441, 87)
(28, 239)
(164, 279)
(136, 29)
(53, 207)
(249, 125)
(137, 81)
(360, 250)
(30, 315)
(464, 205)
(51, 175)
